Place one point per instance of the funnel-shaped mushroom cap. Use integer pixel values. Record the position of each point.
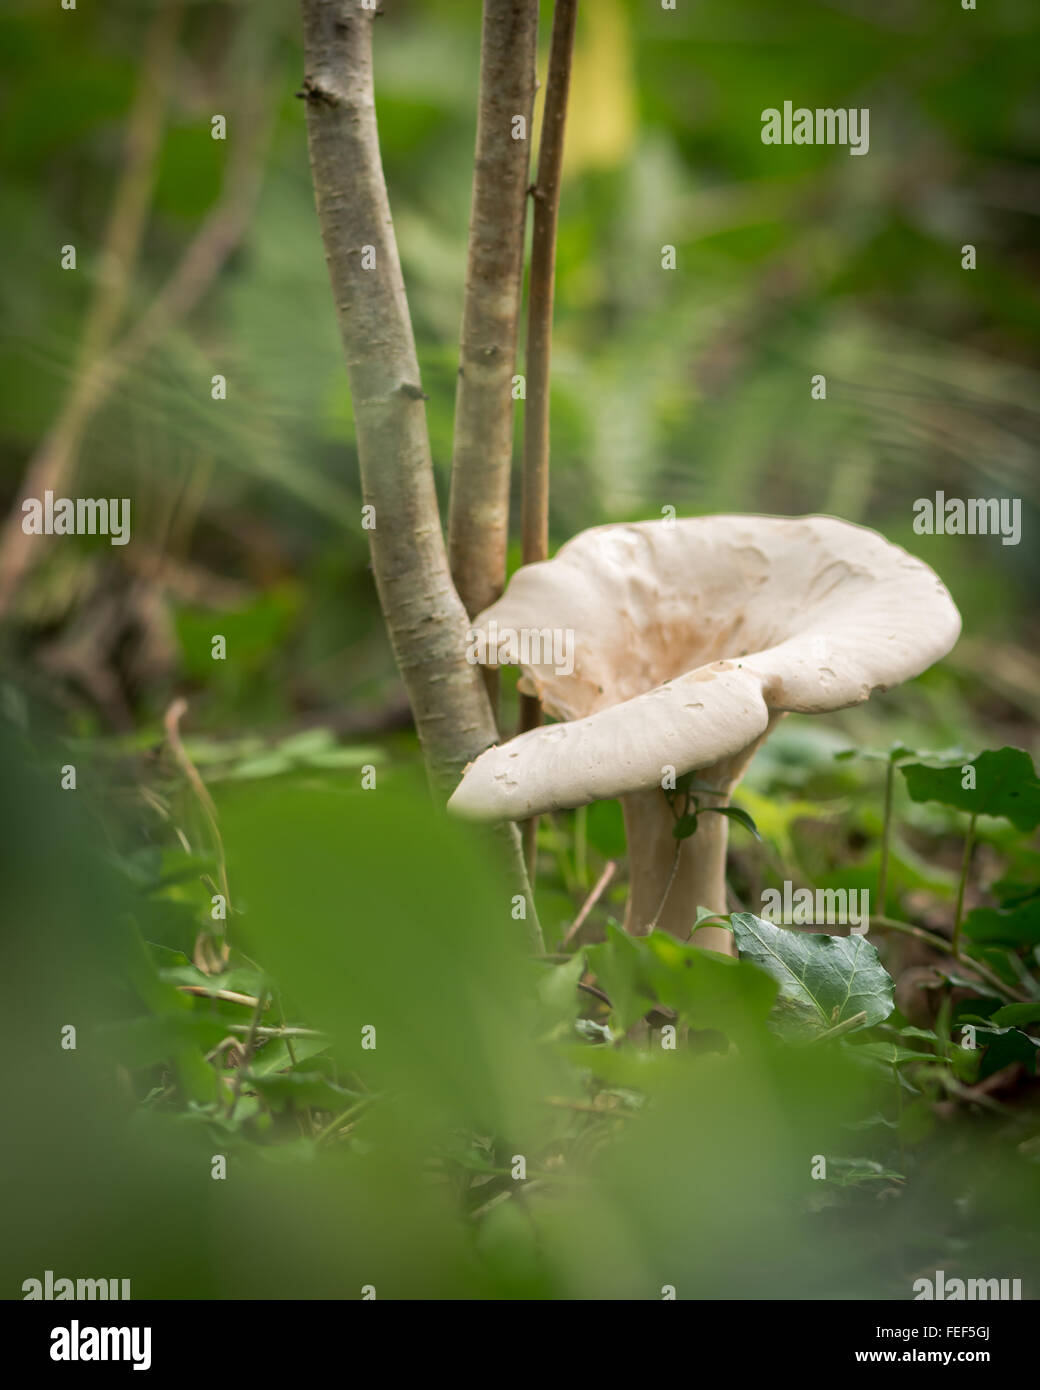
(688, 639)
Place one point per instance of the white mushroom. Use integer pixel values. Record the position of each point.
(691, 638)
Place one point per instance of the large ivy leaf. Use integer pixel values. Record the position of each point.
(1006, 785)
(823, 980)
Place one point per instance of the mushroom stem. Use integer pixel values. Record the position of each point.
(664, 891)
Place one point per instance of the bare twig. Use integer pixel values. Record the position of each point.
(668, 888)
(478, 518)
(590, 902)
(427, 622)
(171, 722)
(280, 1032)
(228, 996)
(546, 193)
(541, 286)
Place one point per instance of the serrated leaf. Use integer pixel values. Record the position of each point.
(823, 980)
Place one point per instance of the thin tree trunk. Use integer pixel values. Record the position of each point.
(427, 622)
(546, 192)
(424, 615)
(478, 519)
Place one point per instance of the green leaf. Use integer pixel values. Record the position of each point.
(893, 1055)
(557, 987)
(1005, 1046)
(707, 989)
(705, 914)
(1014, 1015)
(275, 1055)
(735, 813)
(928, 1034)
(621, 969)
(873, 755)
(1019, 927)
(439, 976)
(852, 1171)
(179, 867)
(823, 979)
(264, 765)
(300, 1090)
(306, 743)
(1005, 785)
(685, 826)
(1021, 882)
(344, 757)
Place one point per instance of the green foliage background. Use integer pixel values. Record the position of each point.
(685, 388)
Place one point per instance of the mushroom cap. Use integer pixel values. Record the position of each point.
(688, 635)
